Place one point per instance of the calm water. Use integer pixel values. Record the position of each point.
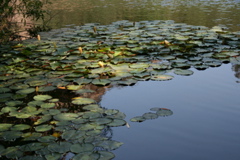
(204, 124)
(206, 105)
(204, 12)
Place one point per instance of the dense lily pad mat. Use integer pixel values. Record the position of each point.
(46, 110)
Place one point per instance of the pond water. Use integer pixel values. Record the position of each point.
(205, 12)
(147, 88)
(204, 124)
(205, 120)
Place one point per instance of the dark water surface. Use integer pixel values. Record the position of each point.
(204, 124)
(194, 12)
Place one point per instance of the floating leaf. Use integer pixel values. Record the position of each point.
(11, 135)
(150, 115)
(66, 116)
(78, 148)
(116, 123)
(183, 72)
(164, 112)
(12, 152)
(105, 155)
(110, 145)
(86, 155)
(138, 119)
(61, 147)
(26, 91)
(13, 103)
(5, 126)
(48, 105)
(83, 101)
(42, 97)
(43, 128)
(161, 77)
(32, 147)
(101, 82)
(20, 127)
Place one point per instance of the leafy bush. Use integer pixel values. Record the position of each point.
(17, 13)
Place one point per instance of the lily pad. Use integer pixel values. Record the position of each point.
(183, 72)
(20, 127)
(47, 105)
(110, 145)
(5, 126)
(138, 119)
(101, 82)
(82, 101)
(43, 128)
(42, 97)
(150, 115)
(12, 152)
(13, 103)
(161, 77)
(117, 122)
(66, 116)
(87, 155)
(61, 147)
(164, 112)
(26, 91)
(79, 148)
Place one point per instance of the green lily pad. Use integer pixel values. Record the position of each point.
(11, 135)
(161, 77)
(164, 112)
(42, 97)
(72, 134)
(4, 90)
(5, 126)
(31, 136)
(46, 139)
(150, 115)
(102, 121)
(91, 115)
(79, 148)
(5, 95)
(61, 147)
(37, 82)
(12, 152)
(105, 155)
(117, 122)
(183, 72)
(32, 147)
(43, 128)
(138, 119)
(20, 127)
(47, 105)
(83, 101)
(74, 87)
(101, 82)
(46, 88)
(110, 145)
(66, 116)
(81, 91)
(13, 103)
(87, 155)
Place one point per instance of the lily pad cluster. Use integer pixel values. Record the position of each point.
(159, 112)
(42, 131)
(37, 123)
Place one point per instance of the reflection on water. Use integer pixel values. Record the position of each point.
(204, 124)
(205, 12)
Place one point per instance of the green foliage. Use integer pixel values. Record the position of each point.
(15, 13)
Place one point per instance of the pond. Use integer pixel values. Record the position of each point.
(125, 82)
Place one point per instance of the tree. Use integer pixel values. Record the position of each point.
(17, 13)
